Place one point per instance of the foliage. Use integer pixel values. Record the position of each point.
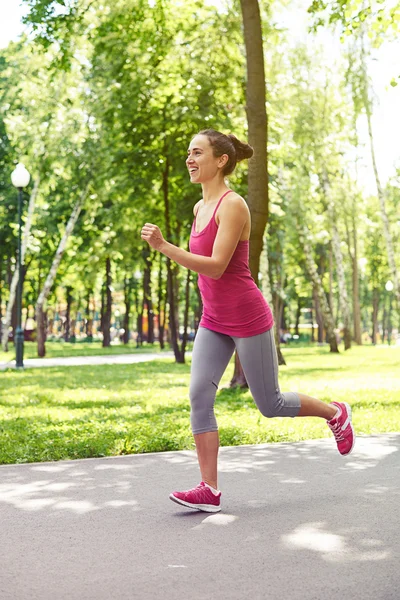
(382, 18)
(111, 93)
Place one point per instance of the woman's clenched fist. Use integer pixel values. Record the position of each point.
(153, 236)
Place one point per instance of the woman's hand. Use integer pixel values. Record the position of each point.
(153, 236)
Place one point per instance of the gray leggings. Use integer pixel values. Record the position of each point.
(212, 352)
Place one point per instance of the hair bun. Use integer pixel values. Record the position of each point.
(243, 150)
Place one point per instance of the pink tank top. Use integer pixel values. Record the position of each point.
(233, 304)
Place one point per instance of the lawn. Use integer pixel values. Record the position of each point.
(79, 412)
(60, 349)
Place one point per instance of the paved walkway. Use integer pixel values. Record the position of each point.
(74, 361)
(299, 522)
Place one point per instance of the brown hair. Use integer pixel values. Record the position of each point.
(230, 145)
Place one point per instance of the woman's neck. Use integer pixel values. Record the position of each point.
(213, 190)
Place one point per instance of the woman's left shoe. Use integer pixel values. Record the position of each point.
(342, 428)
(200, 498)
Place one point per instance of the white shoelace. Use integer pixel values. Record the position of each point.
(337, 432)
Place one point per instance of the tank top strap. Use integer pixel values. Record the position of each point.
(219, 202)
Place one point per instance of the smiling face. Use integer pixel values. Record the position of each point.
(202, 165)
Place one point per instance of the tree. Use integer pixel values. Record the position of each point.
(376, 22)
(257, 135)
(44, 293)
(343, 297)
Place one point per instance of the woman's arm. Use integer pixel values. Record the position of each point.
(233, 216)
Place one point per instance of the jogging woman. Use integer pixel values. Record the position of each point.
(235, 314)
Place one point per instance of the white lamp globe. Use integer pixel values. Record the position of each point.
(389, 286)
(20, 176)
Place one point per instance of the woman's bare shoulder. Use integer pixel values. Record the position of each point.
(196, 207)
(236, 202)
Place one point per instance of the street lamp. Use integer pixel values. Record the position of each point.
(20, 178)
(389, 288)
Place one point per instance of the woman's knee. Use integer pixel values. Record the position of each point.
(202, 397)
(271, 405)
(269, 412)
(202, 393)
(280, 404)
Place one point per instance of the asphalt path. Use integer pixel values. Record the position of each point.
(298, 522)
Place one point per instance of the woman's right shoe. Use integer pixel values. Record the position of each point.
(200, 498)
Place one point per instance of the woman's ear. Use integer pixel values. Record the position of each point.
(222, 160)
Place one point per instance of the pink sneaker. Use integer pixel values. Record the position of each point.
(342, 428)
(200, 497)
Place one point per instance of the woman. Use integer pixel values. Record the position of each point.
(235, 314)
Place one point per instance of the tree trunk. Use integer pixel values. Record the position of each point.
(102, 306)
(384, 323)
(276, 301)
(257, 196)
(238, 378)
(186, 315)
(127, 300)
(1, 296)
(147, 300)
(40, 330)
(298, 315)
(375, 310)
(139, 328)
(89, 318)
(318, 317)
(53, 269)
(173, 325)
(199, 310)
(354, 276)
(14, 282)
(312, 324)
(356, 290)
(343, 298)
(267, 293)
(331, 303)
(173, 298)
(257, 129)
(73, 331)
(315, 278)
(108, 308)
(68, 314)
(161, 305)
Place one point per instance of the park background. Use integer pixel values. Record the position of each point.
(99, 101)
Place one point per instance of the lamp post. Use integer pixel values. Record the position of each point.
(389, 288)
(20, 178)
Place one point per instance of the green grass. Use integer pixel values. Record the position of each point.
(79, 412)
(61, 349)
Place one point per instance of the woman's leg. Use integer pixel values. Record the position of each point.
(258, 357)
(212, 352)
(207, 445)
(312, 407)
(260, 365)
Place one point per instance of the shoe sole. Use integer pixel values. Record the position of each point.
(202, 507)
